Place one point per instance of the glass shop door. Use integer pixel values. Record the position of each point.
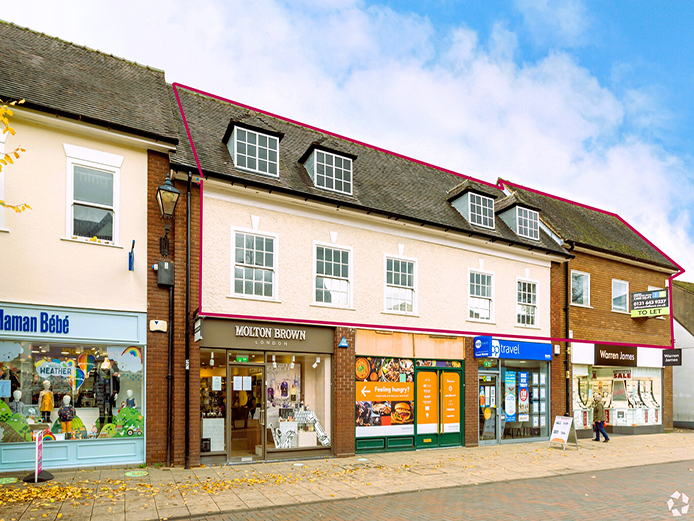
(247, 432)
(489, 410)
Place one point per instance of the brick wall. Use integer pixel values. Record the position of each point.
(158, 308)
(667, 398)
(558, 330)
(344, 392)
(471, 396)
(601, 323)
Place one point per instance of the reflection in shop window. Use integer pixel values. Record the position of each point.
(70, 391)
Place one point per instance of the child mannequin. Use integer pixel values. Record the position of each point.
(46, 402)
(66, 413)
(17, 407)
(130, 401)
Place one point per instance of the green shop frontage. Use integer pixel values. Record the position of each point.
(77, 375)
(409, 391)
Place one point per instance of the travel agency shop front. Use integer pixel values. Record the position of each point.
(514, 383)
(78, 376)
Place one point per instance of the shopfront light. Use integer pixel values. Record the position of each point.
(212, 358)
(291, 366)
(167, 198)
(274, 362)
(315, 364)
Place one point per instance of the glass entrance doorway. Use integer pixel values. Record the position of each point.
(247, 418)
(438, 418)
(489, 416)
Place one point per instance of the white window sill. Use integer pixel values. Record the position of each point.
(87, 241)
(621, 312)
(251, 297)
(4, 230)
(581, 306)
(480, 321)
(331, 306)
(523, 326)
(399, 313)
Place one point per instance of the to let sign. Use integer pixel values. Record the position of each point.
(650, 303)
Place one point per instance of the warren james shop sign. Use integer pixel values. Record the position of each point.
(672, 357)
(488, 347)
(650, 303)
(624, 356)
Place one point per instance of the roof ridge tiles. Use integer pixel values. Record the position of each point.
(84, 47)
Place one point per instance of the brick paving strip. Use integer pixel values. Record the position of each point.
(178, 493)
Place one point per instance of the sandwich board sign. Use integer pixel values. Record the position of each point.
(39, 456)
(563, 431)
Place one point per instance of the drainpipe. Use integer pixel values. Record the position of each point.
(169, 379)
(187, 387)
(567, 361)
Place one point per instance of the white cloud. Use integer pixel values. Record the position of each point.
(386, 78)
(9, 351)
(549, 21)
(126, 361)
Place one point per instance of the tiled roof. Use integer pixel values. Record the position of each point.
(473, 186)
(383, 182)
(686, 286)
(591, 228)
(62, 78)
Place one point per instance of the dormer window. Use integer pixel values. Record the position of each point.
(330, 171)
(481, 210)
(528, 223)
(254, 152)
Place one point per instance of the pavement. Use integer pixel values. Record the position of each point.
(255, 490)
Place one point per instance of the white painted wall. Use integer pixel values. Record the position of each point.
(443, 261)
(683, 377)
(38, 265)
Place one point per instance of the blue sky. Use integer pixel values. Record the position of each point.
(586, 100)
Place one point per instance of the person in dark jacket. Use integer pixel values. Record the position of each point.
(599, 418)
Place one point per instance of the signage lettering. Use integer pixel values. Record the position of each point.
(44, 323)
(616, 355)
(672, 357)
(650, 303)
(267, 332)
(488, 347)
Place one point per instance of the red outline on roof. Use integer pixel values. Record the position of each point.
(498, 186)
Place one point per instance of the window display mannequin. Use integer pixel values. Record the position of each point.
(106, 389)
(66, 413)
(46, 402)
(16, 406)
(130, 401)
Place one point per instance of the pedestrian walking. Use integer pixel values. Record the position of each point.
(599, 418)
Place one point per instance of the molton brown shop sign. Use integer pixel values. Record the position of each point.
(623, 356)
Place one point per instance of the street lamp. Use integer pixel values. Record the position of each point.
(167, 197)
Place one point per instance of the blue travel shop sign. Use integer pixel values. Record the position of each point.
(489, 347)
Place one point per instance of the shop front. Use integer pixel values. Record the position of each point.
(409, 391)
(265, 391)
(78, 376)
(629, 380)
(514, 390)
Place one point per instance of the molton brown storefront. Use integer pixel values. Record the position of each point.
(265, 391)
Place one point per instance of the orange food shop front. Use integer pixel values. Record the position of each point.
(409, 391)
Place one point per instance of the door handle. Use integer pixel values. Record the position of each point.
(262, 417)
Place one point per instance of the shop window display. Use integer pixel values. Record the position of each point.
(525, 400)
(298, 401)
(213, 400)
(632, 396)
(71, 392)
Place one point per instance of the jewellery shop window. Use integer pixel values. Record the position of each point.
(71, 392)
(213, 399)
(298, 401)
(525, 392)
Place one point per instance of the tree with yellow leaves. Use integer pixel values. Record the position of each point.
(8, 159)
